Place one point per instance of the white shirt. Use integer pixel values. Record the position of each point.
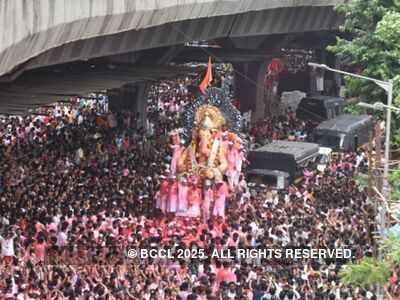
(21, 296)
(80, 119)
(7, 246)
(61, 239)
(359, 159)
(4, 221)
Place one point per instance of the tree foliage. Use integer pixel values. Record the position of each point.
(371, 271)
(370, 41)
(395, 184)
(366, 274)
(391, 250)
(353, 109)
(372, 28)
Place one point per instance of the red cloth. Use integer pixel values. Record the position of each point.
(274, 69)
(101, 123)
(394, 278)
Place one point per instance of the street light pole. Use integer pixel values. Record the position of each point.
(381, 83)
(378, 106)
(389, 108)
(386, 185)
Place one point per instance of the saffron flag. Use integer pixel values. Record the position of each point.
(208, 78)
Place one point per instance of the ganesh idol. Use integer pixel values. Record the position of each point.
(205, 157)
(204, 174)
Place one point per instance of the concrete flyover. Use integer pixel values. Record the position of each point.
(43, 33)
(31, 28)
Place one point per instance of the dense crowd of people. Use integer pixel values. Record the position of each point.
(77, 191)
(283, 127)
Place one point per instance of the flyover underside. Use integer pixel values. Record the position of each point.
(34, 52)
(38, 88)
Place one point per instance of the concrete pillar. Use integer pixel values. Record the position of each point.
(130, 97)
(250, 87)
(123, 98)
(141, 102)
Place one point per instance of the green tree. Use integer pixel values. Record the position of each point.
(369, 271)
(395, 184)
(372, 28)
(370, 40)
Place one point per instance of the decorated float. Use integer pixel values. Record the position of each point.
(207, 159)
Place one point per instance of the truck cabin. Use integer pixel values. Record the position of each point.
(319, 108)
(344, 133)
(282, 159)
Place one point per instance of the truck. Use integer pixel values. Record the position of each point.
(320, 108)
(344, 133)
(281, 163)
